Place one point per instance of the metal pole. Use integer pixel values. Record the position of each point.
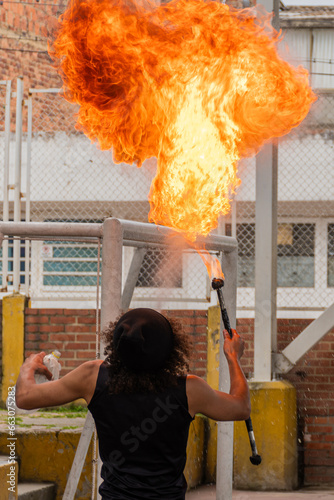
(225, 429)
(111, 293)
(110, 308)
(17, 182)
(28, 174)
(265, 328)
(111, 289)
(5, 214)
(52, 229)
(132, 278)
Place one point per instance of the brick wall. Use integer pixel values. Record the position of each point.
(72, 332)
(313, 377)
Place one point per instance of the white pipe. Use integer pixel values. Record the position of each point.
(136, 232)
(17, 182)
(111, 289)
(28, 175)
(5, 210)
(224, 478)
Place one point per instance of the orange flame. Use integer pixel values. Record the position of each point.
(195, 83)
(212, 264)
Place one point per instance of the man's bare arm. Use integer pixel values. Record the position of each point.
(220, 405)
(79, 383)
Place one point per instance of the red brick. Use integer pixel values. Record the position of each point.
(86, 355)
(31, 336)
(48, 345)
(88, 320)
(29, 345)
(64, 319)
(77, 345)
(31, 328)
(50, 312)
(51, 328)
(79, 328)
(245, 321)
(36, 319)
(68, 354)
(73, 363)
(30, 312)
(79, 312)
(60, 337)
(85, 337)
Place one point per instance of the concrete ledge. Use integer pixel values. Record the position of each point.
(8, 478)
(36, 491)
(46, 455)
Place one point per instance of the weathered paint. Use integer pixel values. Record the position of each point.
(213, 380)
(274, 416)
(12, 340)
(8, 472)
(47, 456)
(194, 469)
(275, 426)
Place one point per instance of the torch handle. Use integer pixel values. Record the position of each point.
(255, 458)
(223, 310)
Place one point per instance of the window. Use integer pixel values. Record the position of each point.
(10, 263)
(69, 263)
(295, 255)
(330, 269)
(246, 255)
(161, 268)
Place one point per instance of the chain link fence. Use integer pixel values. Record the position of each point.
(305, 215)
(66, 178)
(73, 180)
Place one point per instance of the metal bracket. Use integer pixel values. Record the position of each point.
(280, 363)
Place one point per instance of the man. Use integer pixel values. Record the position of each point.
(143, 401)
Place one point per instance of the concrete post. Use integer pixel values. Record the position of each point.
(265, 261)
(17, 185)
(265, 330)
(12, 340)
(225, 429)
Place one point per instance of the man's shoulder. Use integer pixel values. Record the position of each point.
(89, 368)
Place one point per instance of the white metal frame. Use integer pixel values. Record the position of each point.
(115, 234)
(5, 209)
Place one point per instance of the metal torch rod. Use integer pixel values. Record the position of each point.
(255, 458)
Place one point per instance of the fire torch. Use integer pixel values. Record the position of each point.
(217, 284)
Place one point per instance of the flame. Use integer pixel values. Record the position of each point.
(212, 264)
(195, 83)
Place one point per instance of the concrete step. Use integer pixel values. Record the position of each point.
(8, 478)
(36, 491)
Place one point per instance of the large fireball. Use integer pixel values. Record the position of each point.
(194, 83)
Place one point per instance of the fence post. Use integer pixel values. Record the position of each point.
(5, 214)
(225, 429)
(17, 184)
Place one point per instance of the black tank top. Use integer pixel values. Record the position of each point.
(142, 441)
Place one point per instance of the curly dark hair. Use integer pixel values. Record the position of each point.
(124, 380)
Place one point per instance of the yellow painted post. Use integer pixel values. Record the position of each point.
(274, 411)
(12, 340)
(212, 378)
(194, 466)
(274, 416)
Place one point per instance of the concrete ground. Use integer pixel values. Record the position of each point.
(33, 422)
(209, 493)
